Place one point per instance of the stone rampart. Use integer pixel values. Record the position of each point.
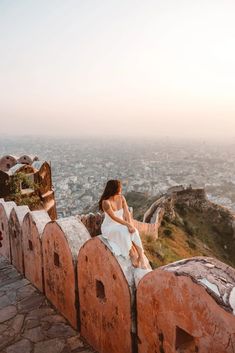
(187, 306)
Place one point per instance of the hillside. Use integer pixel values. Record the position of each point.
(198, 227)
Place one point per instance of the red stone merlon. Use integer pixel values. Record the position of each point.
(5, 210)
(61, 242)
(15, 234)
(32, 229)
(8, 161)
(186, 307)
(215, 276)
(106, 286)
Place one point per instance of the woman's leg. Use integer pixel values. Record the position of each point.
(141, 258)
(136, 241)
(134, 256)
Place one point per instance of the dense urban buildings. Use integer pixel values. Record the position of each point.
(81, 167)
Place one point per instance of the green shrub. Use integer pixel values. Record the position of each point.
(189, 228)
(181, 208)
(191, 244)
(166, 218)
(178, 222)
(215, 229)
(16, 195)
(167, 232)
(148, 238)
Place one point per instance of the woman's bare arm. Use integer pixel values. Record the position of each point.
(126, 212)
(107, 208)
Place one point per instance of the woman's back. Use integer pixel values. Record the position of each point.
(117, 226)
(115, 202)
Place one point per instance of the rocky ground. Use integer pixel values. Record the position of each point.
(29, 323)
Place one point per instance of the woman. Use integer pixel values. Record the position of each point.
(117, 227)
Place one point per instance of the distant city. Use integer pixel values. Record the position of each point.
(81, 167)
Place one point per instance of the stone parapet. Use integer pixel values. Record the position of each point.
(187, 306)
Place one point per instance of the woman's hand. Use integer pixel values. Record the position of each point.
(131, 228)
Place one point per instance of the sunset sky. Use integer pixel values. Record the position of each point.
(118, 68)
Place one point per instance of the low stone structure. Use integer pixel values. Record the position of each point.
(27, 159)
(187, 306)
(32, 230)
(150, 214)
(92, 221)
(191, 195)
(61, 242)
(106, 298)
(147, 229)
(15, 234)
(8, 161)
(5, 210)
(175, 188)
(43, 178)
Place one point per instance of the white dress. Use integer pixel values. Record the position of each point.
(118, 235)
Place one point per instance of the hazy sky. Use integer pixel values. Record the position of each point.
(118, 67)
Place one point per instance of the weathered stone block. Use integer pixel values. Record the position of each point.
(61, 242)
(15, 223)
(32, 229)
(184, 307)
(105, 299)
(5, 210)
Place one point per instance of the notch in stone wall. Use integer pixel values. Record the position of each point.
(184, 342)
(56, 259)
(100, 291)
(30, 245)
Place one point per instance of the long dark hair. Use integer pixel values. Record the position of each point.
(112, 187)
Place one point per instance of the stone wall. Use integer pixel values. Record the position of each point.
(147, 228)
(93, 221)
(166, 203)
(178, 196)
(187, 306)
